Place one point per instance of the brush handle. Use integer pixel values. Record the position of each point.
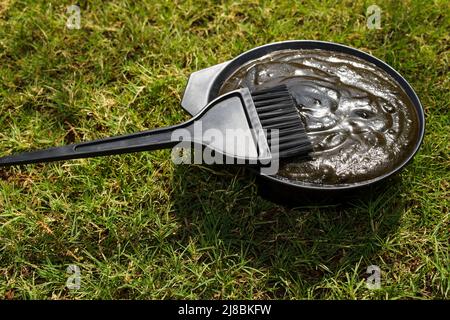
(140, 141)
(228, 114)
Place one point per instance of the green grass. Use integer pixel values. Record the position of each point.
(141, 227)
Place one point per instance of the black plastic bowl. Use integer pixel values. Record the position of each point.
(204, 86)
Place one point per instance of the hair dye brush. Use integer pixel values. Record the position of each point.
(247, 121)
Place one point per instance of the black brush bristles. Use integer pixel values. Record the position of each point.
(276, 110)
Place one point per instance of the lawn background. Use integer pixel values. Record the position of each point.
(141, 227)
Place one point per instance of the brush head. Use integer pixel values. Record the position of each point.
(277, 110)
